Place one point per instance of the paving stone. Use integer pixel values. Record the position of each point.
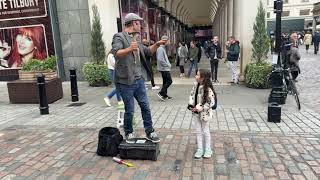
(294, 170)
(221, 169)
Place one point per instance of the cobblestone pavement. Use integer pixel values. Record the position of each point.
(309, 80)
(55, 153)
(245, 145)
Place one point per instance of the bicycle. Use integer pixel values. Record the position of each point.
(291, 87)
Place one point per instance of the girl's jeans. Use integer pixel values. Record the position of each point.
(114, 91)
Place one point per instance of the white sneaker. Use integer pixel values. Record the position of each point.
(155, 88)
(107, 101)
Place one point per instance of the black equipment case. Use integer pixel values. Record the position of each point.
(274, 113)
(142, 149)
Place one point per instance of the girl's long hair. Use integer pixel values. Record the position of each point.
(37, 36)
(207, 83)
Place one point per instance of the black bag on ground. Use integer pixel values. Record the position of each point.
(142, 149)
(109, 140)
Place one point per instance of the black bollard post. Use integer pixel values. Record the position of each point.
(74, 85)
(43, 101)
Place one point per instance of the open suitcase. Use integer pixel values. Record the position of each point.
(142, 149)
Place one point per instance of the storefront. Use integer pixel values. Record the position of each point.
(25, 33)
(62, 28)
(157, 22)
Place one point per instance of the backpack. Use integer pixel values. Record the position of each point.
(108, 141)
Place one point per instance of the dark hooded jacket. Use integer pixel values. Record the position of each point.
(234, 51)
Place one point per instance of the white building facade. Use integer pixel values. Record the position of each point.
(294, 9)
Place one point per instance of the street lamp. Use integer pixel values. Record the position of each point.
(278, 95)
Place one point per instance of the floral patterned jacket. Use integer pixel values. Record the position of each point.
(204, 109)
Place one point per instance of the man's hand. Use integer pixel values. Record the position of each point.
(162, 42)
(155, 46)
(134, 46)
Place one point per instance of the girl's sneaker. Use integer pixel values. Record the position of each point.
(107, 101)
(207, 153)
(199, 153)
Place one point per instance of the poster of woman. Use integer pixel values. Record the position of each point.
(20, 44)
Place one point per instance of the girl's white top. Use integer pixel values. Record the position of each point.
(111, 61)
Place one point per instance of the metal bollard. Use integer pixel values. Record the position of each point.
(74, 85)
(44, 108)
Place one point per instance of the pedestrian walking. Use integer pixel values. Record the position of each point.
(233, 51)
(193, 57)
(164, 67)
(316, 41)
(307, 40)
(201, 102)
(183, 55)
(149, 63)
(200, 51)
(130, 73)
(294, 61)
(111, 65)
(213, 52)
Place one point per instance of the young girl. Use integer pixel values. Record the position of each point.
(111, 65)
(201, 101)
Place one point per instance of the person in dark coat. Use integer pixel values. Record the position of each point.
(198, 45)
(316, 41)
(213, 52)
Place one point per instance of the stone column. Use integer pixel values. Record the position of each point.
(236, 18)
(225, 23)
(225, 28)
(248, 11)
(218, 23)
(222, 28)
(230, 18)
(221, 25)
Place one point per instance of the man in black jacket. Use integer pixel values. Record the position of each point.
(213, 52)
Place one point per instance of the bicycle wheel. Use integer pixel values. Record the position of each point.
(295, 93)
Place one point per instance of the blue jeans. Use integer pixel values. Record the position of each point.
(194, 64)
(138, 91)
(115, 91)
